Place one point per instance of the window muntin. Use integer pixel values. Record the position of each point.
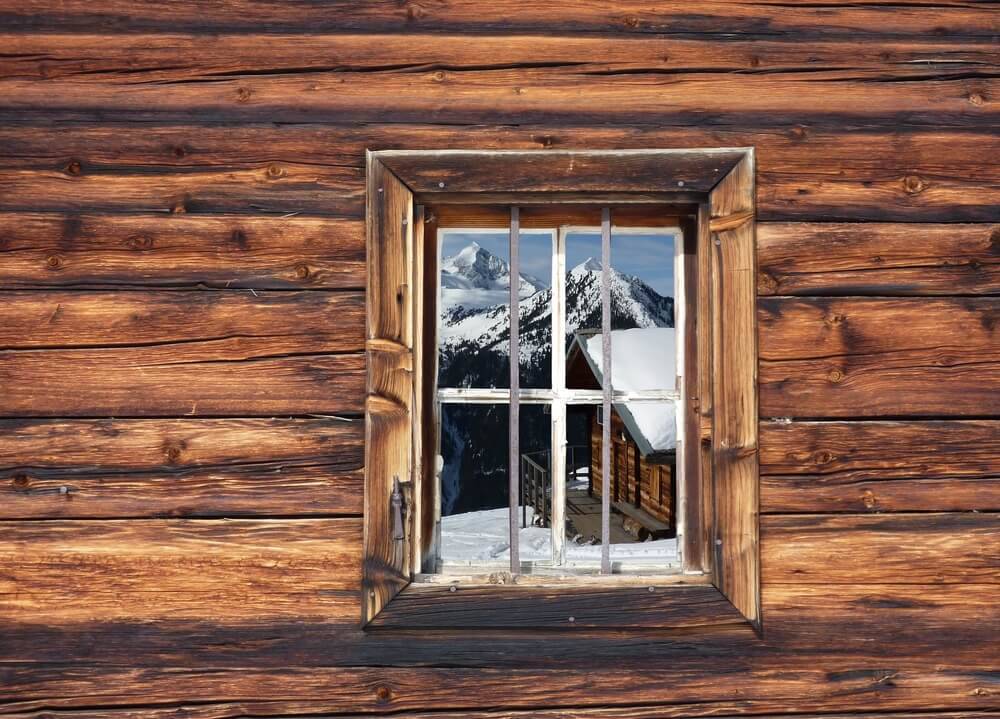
(555, 404)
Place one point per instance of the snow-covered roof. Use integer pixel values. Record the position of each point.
(643, 358)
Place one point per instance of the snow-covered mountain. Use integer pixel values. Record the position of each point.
(474, 278)
(474, 337)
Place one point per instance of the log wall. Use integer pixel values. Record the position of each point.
(182, 273)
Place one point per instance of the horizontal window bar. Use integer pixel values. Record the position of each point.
(572, 396)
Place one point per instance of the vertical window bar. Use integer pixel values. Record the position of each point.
(606, 387)
(515, 364)
(557, 462)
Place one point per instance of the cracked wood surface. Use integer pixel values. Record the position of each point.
(161, 160)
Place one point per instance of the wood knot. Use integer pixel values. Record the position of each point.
(53, 262)
(869, 499)
(413, 12)
(179, 207)
(139, 242)
(833, 320)
(73, 167)
(822, 457)
(239, 238)
(21, 481)
(275, 172)
(798, 132)
(977, 99)
(302, 272)
(383, 694)
(767, 283)
(545, 141)
(173, 450)
(754, 61)
(438, 76)
(179, 151)
(631, 21)
(835, 375)
(913, 185)
(243, 94)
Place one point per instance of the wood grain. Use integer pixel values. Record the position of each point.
(809, 169)
(888, 549)
(720, 20)
(851, 357)
(528, 94)
(179, 468)
(390, 387)
(167, 56)
(178, 381)
(507, 606)
(733, 365)
(191, 324)
(877, 258)
(880, 466)
(66, 571)
(180, 251)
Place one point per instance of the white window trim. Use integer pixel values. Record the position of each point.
(558, 398)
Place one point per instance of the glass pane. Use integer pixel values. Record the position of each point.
(535, 506)
(474, 485)
(642, 311)
(474, 313)
(642, 487)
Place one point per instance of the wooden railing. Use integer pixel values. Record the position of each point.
(536, 484)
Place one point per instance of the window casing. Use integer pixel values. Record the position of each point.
(557, 398)
(720, 390)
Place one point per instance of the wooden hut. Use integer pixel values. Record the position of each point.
(211, 341)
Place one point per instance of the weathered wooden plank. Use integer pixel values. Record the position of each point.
(177, 250)
(561, 171)
(179, 467)
(173, 56)
(876, 258)
(318, 690)
(888, 549)
(192, 324)
(804, 171)
(180, 380)
(496, 606)
(870, 357)
(65, 572)
(723, 20)
(880, 466)
(389, 391)
(527, 94)
(279, 188)
(733, 365)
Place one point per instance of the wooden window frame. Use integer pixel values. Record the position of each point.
(719, 185)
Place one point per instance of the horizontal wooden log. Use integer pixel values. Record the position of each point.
(880, 466)
(493, 607)
(191, 324)
(185, 467)
(278, 188)
(882, 259)
(724, 20)
(872, 174)
(73, 250)
(889, 549)
(528, 94)
(159, 381)
(65, 572)
(320, 690)
(172, 56)
(871, 357)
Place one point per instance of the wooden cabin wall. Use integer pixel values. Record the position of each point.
(640, 481)
(182, 268)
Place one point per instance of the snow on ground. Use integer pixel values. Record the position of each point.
(644, 358)
(483, 537)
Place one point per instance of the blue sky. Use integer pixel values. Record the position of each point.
(649, 257)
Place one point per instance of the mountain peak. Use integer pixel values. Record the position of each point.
(591, 264)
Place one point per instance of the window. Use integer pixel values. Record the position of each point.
(459, 448)
(558, 517)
